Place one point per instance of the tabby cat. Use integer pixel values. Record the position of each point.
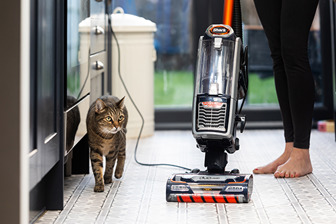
(106, 126)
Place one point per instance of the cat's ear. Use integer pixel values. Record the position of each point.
(100, 106)
(120, 104)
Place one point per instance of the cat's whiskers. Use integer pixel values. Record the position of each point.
(107, 132)
(123, 130)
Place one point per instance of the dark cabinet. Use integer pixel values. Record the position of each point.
(46, 94)
(69, 69)
(46, 101)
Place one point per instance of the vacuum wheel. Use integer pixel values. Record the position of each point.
(235, 171)
(215, 160)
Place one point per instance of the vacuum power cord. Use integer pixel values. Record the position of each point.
(137, 109)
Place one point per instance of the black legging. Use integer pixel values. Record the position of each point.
(287, 24)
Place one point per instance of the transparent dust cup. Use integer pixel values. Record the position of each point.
(215, 66)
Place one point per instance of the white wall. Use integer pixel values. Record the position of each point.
(14, 112)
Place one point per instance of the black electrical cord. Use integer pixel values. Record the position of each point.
(137, 109)
(246, 80)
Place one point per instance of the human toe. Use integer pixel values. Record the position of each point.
(257, 170)
(287, 174)
(277, 174)
(280, 173)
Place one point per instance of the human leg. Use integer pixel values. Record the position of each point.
(293, 79)
(295, 25)
(270, 16)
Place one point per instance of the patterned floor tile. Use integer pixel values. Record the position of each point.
(139, 196)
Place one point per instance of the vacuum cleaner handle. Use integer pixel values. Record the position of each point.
(228, 12)
(232, 16)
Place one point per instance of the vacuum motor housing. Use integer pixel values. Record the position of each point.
(216, 89)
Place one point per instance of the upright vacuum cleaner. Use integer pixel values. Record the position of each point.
(221, 80)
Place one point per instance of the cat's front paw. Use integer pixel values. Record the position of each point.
(107, 180)
(118, 174)
(98, 188)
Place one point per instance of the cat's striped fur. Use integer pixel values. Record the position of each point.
(106, 126)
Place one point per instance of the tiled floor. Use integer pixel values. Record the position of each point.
(139, 197)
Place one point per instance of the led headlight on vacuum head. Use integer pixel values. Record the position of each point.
(179, 188)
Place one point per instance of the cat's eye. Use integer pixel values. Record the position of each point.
(121, 118)
(108, 118)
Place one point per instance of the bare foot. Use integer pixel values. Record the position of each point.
(273, 166)
(298, 165)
